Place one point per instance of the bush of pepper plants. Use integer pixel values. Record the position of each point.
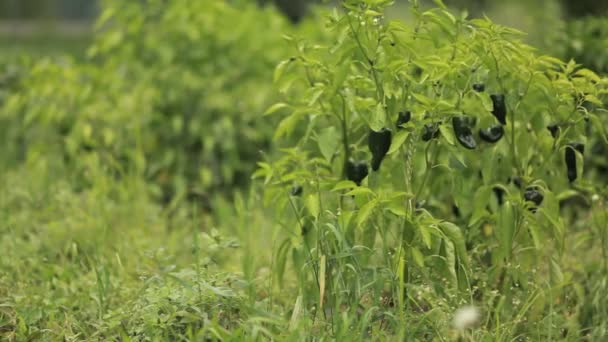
(437, 163)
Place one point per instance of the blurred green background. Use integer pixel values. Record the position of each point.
(53, 26)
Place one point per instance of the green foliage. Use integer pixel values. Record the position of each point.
(155, 98)
(397, 231)
(586, 41)
(408, 170)
(101, 264)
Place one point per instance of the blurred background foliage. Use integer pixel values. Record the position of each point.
(566, 28)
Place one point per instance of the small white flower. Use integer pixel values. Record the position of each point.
(466, 317)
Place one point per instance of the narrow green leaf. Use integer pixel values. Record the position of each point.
(275, 108)
(418, 257)
(312, 204)
(345, 184)
(365, 212)
(454, 233)
(506, 230)
(398, 140)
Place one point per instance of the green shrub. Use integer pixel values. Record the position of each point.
(206, 106)
(449, 217)
(173, 90)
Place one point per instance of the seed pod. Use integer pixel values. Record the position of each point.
(379, 143)
(492, 134)
(356, 171)
(463, 132)
(479, 87)
(430, 131)
(500, 109)
(296, 190)
(554, 129)
(403, 118)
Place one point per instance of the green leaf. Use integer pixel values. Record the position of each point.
(396, 209)
(454, 233)
(418, 257)
(398, 140)
(506, 230)
(425, 234)
(280, 69)
(479, 203)
(365, 212)
(329, 141)
(378, 119)
(312, 204)
(296, 314)
(593, 99)
(447, 133)
(314, 96)
(423, 99)
(345, 184)
(590, 75)
(440, 4)
(338, 80)
(275, 108)
(287, 125)
(361, 190)
(452, 265)
(322, 266)
(599, 126)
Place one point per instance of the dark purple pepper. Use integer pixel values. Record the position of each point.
(455, 210)
(403, 118)
(379, 143)
(554, 129)
(296, 190)
(492, 134)
(500, 193)
(479, 87)
(430, 131)
(516, 180)
(578, 146)
(356, 171)
(500, 108)
(463, 132)
(570, 158)
(533, 194)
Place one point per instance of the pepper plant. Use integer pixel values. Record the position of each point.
(429, 162)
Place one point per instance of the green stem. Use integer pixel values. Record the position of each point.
(429, 165)
(379, 88)
(345, 143)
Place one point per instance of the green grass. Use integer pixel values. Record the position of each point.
(105, 262)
